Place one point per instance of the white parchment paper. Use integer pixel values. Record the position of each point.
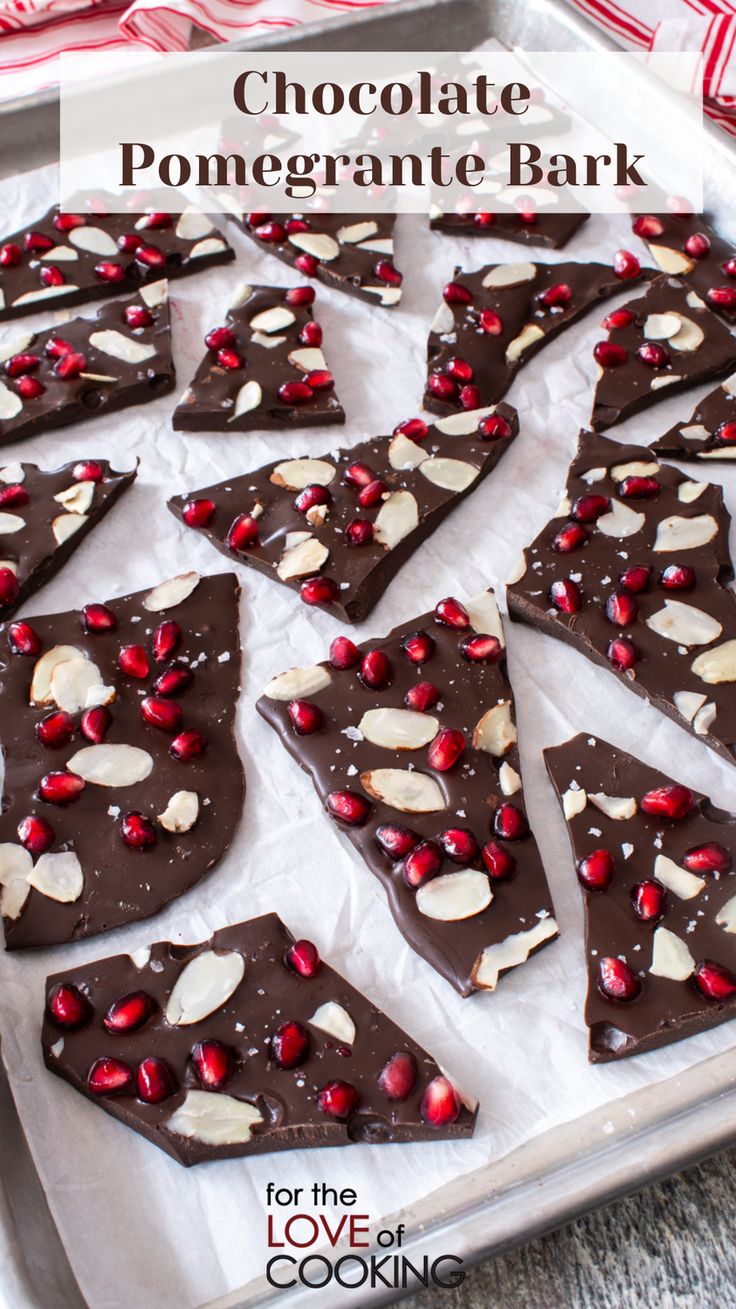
(139, 1229)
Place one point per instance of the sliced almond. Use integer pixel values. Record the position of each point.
(677, 533)
(508, 779)
(192, 225)
(15, 863)
(527, 336)
(78, 497)
(495, 731)
(723, 452)
(318, 244)
(667, 379)
(704, 719)
(635, 468)
(660, 327)
(388, 295)
(405, 789)
(295, 474)
(510, 275)
(171, 593)
(13, 898)
(204, 985)
(13, 474)
(181, 812)
(356, 232)
(248, 398)
(41, 692)
(484, 616)
(303, 560)
(317, 515)
(94, 239)
(613, 806)
(332, 1018)
(241, 295)
(45, 293)
(307, 359)
(298, 683)
(690, 336)
(443, 321)
(677, 880)
(684, 624)
(404, 453)
(214, 1119)
(76, 684)
(518, 570)
(155, 294)
(59, 876)
(268, 342)
(10, 403)
(396, 519)
(15, 346)
(60, 254)
(10, 523)
(120, 346)
(465, 423)
(114, 765)
(66, 526)
(574, 802)
(670, 261)
(274, 319)
(398, 729)
(454, 896)
(383, 245)
(688, 703)
(695, 432)
(726, 916)
(670, 956)
(621, 521)
(717, 665)
(689, 491)
(596, 474)
(449, 474)
(210, 246)
(511, 952)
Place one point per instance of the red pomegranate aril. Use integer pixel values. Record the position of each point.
(29, 387)
(565, 596)
(481, 649)
(494, 427)
(88, 471)
(302, 957)
(470, 397)
(459, 369)
(636, 578)
(372, 493)
(359, 532)
(459, 845)
(56, 347)
(158, 220)
(36, 243)
(137, 831)
(55, 730)
(386, 272)
(647, 225)
(166, 640)
(375, 670)
(616, 319)
(300, 295)
(714, 981)
(307, 264)
(295, 393)
(295, 225)
(396, 841)
(36, 834)
(440, 1104)
(569, 538)
(188, 745)
(423, 696)
(456, 294)
(95, 723)
(712, 857)
(319, 591)
(649, 899)
(491, 323)
(677, 577)
(174, 680)
(418, 647)
(556, 296)
(271, 233)
(344, 653)
(498, 862)
(230, 359)
(24, 362)
(221, 338)
(10, 255)
(359, 475)
(161, 713)
(70, 366)
(726, 433)
(311, 333)
(626, 265)
(338, 1099)
(729, 268)
(68, 1007)
(290, 1045)
(128, 242)
(108, 271)
(214, 1063)
(414, 428)
(109, 1077)
(13, 495)
(305, 717)
(484, 219)
(137, 316)
(589, 508)
(98, 618)
(150, 256)
(616, 980)
(697, 245)
(129, 1012)
(450, 613)
(609, 354)
(60, 788)
(622, 654)
(673, 801)
(243, 533)
(443, 388)
(398, 1077)
(596, 870)
(653, 354)
(349, 807)
(639, 488)
(509, 823)
(154, 1080)
(621, 608)
(23, 639)
(723, 297)
(421, 864)
(198, 513)
(133, 661)
(50, 275)
(9, 587)
(446, 749)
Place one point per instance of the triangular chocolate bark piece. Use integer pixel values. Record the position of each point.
(655, 863)
(68, 259)
(710, 431)
(241, 1045)
(633, 571)
(657, 346)
(87, 367)
(552, 231)
(686, 246)
(337, 527)
(123, 786)
(44, 516)
(264, 368)
(493, 321)
(411, 745)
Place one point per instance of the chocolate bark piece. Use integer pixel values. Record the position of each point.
(493, 321)
(123, 786)
(411, 745)
(44, 516)
(264, 368)
(244, 1044)
(338, 527)
(350, 252)
(709, 432)
(539, 229)
(633, 570)
(687, 246)
(658, 345)
(69, 259)
(87, 367)
(655, 863)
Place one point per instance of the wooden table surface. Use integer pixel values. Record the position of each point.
(672, 1246)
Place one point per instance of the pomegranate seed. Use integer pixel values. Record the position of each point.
(23, 639)
(161, 713)
(295, 393)
(398, 1077)
(422, 697)
(653, 354)
(617, 318)
(311, 334)
(494, 428)
(723, 297)
(295, 225)
(9, 587)
(68, 1007)
(375, 670)
(150, 256)
(456, 294)
(697, 245)
(459, 845)
(56, 346)
(338, 1099)
(509, 823)
(166, 640)
(396, 841)
(443, 388)
(359, 475)
(36, 834)
(230, 359)
(569, 538)
(596, 870)
(709, 858)
(133, 661)
(621, 608)
(677, 577)
(344, 653)
(440, 1103)
(70, 366)
(109, 1077)
(306, 718)
(128, 242)
(95, 723)
(617, 981)
(154, 1080)
(556, 296)
(51, 276)
(55, 730)
(422, 863)
(372, 493)
(491, 323)
(290, 1045)
(349, 807)
(214, 1063)
(418, 647)
(588, 508)
(649, 900)
(258, 217)
(482, 649)
(129, 1012)
(446, 749)
(636, 578)
(198, 513)
(243, 533)
(359, 532)
(450, 613)
(29, 388)
(108, 271)
(13, 496)
(484, 219)
(673, 801)
(622, 654)
(626, 265)
(89, 471)
(303, 958)
(639, 488)
(386, 272)
(608, 354)
(137, 316)
(565, 596)
(319, 591)
(459, 369)
(37, 243)
(271, 233)
(414, 428)
(98, 618)
(726, 433)
(714, 981)
(137, 831)
(60, 788)
(221, 338)
(647, 225)
(499, 863)
(188, 745)
(10, 255)
(729, 268)
(307, 264)
(300, 295)
(158, 220)
(18, 364)
(470, 397)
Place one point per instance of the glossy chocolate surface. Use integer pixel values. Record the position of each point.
(710, 431)
(703, 269)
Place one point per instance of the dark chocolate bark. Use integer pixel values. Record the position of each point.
(710, 431)
(412, 748)
(539, 229)
(633, 571)
(44, 516)
(68, 259)
(686, 246)
(655, 862)
(87, 367)
(123, 786)
(495, 320)
(261, 1047)
(349, 519)
(657, 346)
(264, 368)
